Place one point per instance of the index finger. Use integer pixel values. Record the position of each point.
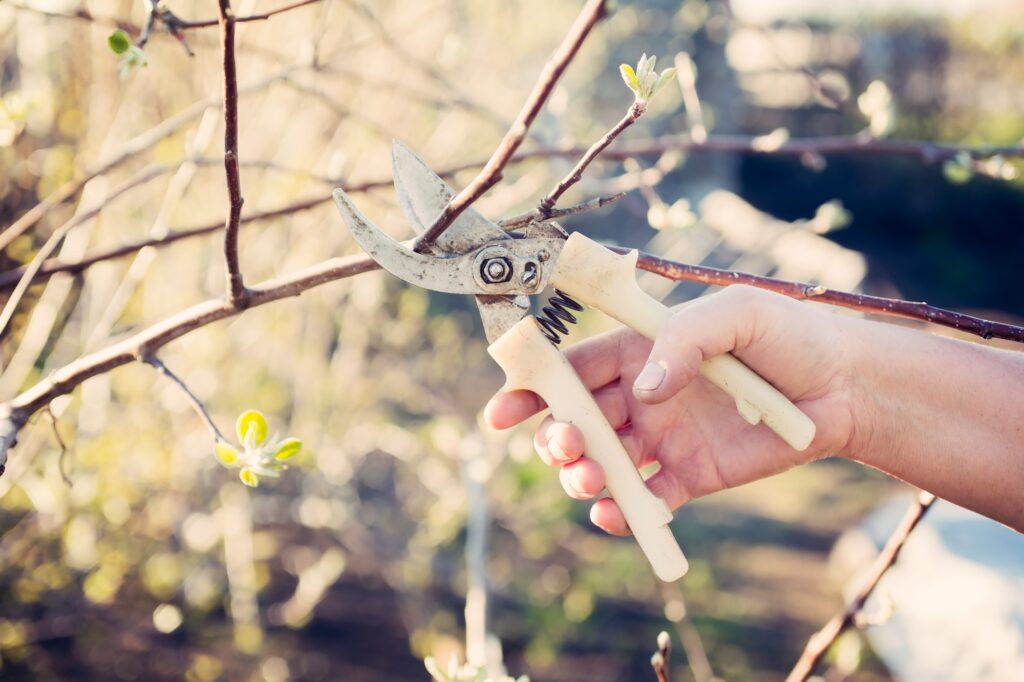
(597, 360)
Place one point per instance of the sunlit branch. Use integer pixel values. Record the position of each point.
(492, 170)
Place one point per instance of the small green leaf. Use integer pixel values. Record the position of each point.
(119, 42)
(251, 428)
(629, 76)
(249, 477)
(289, 448)
(665, 77)
(959, 169)
(227, 455)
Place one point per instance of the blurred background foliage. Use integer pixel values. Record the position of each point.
(152, 561)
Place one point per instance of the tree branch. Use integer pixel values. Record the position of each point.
(235, 284)
(592, 12)
(636, 110)
(820, 642)
(524, 219)
(912, 310)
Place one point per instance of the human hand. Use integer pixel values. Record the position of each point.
(665, 413)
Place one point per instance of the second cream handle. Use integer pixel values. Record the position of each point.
(531, 362)
(606, 280)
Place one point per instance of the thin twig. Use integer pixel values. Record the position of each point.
(636, 110)
(235, 285)
(892, 307)
(820, 642)
(524, 219)
(60, 443)
(191, 397)
(147, 28)
(592, 12)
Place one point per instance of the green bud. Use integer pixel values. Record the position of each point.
(119, 42)
(249, 477)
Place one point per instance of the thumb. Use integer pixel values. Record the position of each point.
(707, 327)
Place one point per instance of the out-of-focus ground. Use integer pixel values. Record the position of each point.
(155, 563)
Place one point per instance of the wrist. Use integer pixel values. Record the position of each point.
(860, 375)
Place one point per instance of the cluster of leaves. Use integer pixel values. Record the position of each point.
(259, 455)
(645, 81)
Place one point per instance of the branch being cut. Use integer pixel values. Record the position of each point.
(592, 12)
(892, 307)
(819, 644)
(235, 284)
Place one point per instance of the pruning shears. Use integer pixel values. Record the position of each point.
(476, 256)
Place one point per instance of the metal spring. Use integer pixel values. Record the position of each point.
(552, 316)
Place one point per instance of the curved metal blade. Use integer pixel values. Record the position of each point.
(423, 194)
(452, 275)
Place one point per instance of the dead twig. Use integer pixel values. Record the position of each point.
(820, 642)
(61, 444)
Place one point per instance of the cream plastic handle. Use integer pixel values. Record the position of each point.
(531, 362)
(607, 281)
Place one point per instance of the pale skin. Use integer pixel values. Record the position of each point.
(942, 414)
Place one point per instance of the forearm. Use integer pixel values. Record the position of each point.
(945, 415)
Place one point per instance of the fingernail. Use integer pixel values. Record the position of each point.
(650, 378)
(556, 451)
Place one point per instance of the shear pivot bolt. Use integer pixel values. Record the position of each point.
(496, 270)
